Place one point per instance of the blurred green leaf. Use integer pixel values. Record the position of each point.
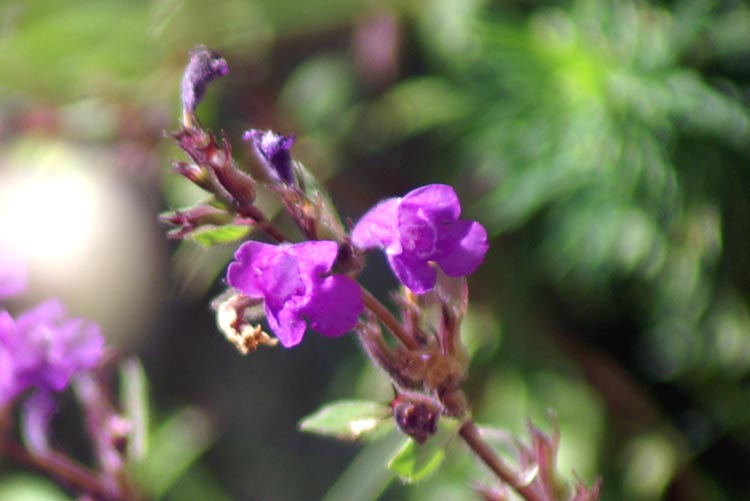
(367, 476)
(220, 235)
(134, 398)
(25, 487)
(414, 462)
(349, 420)
(175, 445)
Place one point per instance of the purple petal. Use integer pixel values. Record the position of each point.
(315, 258)
(272, 150)
(418, 236)
(247, 273)
(47, 312)
(334, 306)
(437, 203)
(37, 413)
(286, 322)
(205, 65)
(462, 248)
(82, 347)
(377, 228)
(416, 274)
(9, 387)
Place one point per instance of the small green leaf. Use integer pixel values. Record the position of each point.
(348, 419)
(220, 235)
(414, 462)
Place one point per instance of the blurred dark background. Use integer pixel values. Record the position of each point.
(604, 144)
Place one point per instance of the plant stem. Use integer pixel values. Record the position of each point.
(263, 223)
(387, 318)
(63, 468)
(473, 439)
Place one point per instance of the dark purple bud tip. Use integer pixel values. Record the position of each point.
(204, 65)
(416, 416)
(272, 150)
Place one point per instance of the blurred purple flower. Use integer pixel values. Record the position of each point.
(13, 274)
(272, 150)
(44, 349)
(204, 65)
(36, 416)
(296, 284)
(420, 228)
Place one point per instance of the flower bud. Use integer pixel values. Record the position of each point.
(204, 66)
(416, 415)
(272, 150)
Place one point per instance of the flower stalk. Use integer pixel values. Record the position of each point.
(313, 284)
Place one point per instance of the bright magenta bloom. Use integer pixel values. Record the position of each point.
(296, 285)
(422, 228)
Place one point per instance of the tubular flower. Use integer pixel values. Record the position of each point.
(205, 65)
(272, 150)
(422, 228)
(44, 349)
(296, 285)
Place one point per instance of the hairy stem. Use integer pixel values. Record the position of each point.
(470, 433)
(263, 223)
(387, 318)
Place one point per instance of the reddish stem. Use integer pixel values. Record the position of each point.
(65, 469)
(474, 440)
(387, 319)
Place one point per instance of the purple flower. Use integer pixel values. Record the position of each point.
(296, 285)
(13, 274)
(272, 150)
(205, 65)
(420, 228)
(44, 349)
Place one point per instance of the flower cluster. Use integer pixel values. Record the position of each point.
(44, 349)
(296, 283)
(415, 231)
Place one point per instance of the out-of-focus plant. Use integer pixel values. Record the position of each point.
(42, 353)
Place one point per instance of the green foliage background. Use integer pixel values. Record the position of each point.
(604, 144)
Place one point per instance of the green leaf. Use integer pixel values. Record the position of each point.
(221, 234)
(367, 477)
(134, 398)
(348, 419)
(175, 445)
(414, 462)
(26, 487)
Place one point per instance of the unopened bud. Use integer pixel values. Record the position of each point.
(416, 415)
(272, 150)
(204, 66)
